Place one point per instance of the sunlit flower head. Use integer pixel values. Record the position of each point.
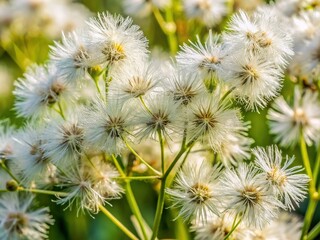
(204, 59)
(88, 187)
(38, 92)
(72, 57)
(135, 81)
(246, 192)
(286, 181)
(78, 185)
(184, 86)
(287, 122)
(211, 120)
(262, 34)
(256, 80)
(18, 221)
(29, 155)
(160, 113)
(106, 125)
(104, 178)
(115, 41)
(63, 140)
(195, 191)
(305, 27)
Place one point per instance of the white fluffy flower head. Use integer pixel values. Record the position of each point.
(116, 41)
(246, 193)
(286, 182)
(195, 191)
(17, 221)
(288, 122)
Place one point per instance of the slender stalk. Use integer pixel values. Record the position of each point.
(162, 23)
(316, 166)
(4, 167)
(140, 158)
(139, 178)
(312, 189)
(145, 105)
(41, 191)
(214, 158)
(185, 157)
(234, 227)
(91, 163)
(135, 208)
(160, 203)
(161, 149)
(305, 158)
(314, 232)
(116, 163)
(96, 83)
(184, 138)
(176, 159)
(131, 199)
(227, 94)
(172, 38)
(118, 223)
(168, 27)
(308, 217)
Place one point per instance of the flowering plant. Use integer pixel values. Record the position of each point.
(102, 101)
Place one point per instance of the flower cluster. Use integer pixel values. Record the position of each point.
(254, 193)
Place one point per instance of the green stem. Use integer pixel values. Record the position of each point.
(234, 227)
(227, 94)
(131, 199)
(176, 159)
(135, 208)
(308, 217)
(160, 203)
(161, 149)
(139, 178)
(314, 232)
(145, 105)
(172, 38)
(96, 83)
(140, 158)
(41, 191)
(312, 189)
(162, 23)
(316, 167)
(185, 157)
(118, 223)
(305, 158)
(8, 171)
(168, 27)
(116, 163)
